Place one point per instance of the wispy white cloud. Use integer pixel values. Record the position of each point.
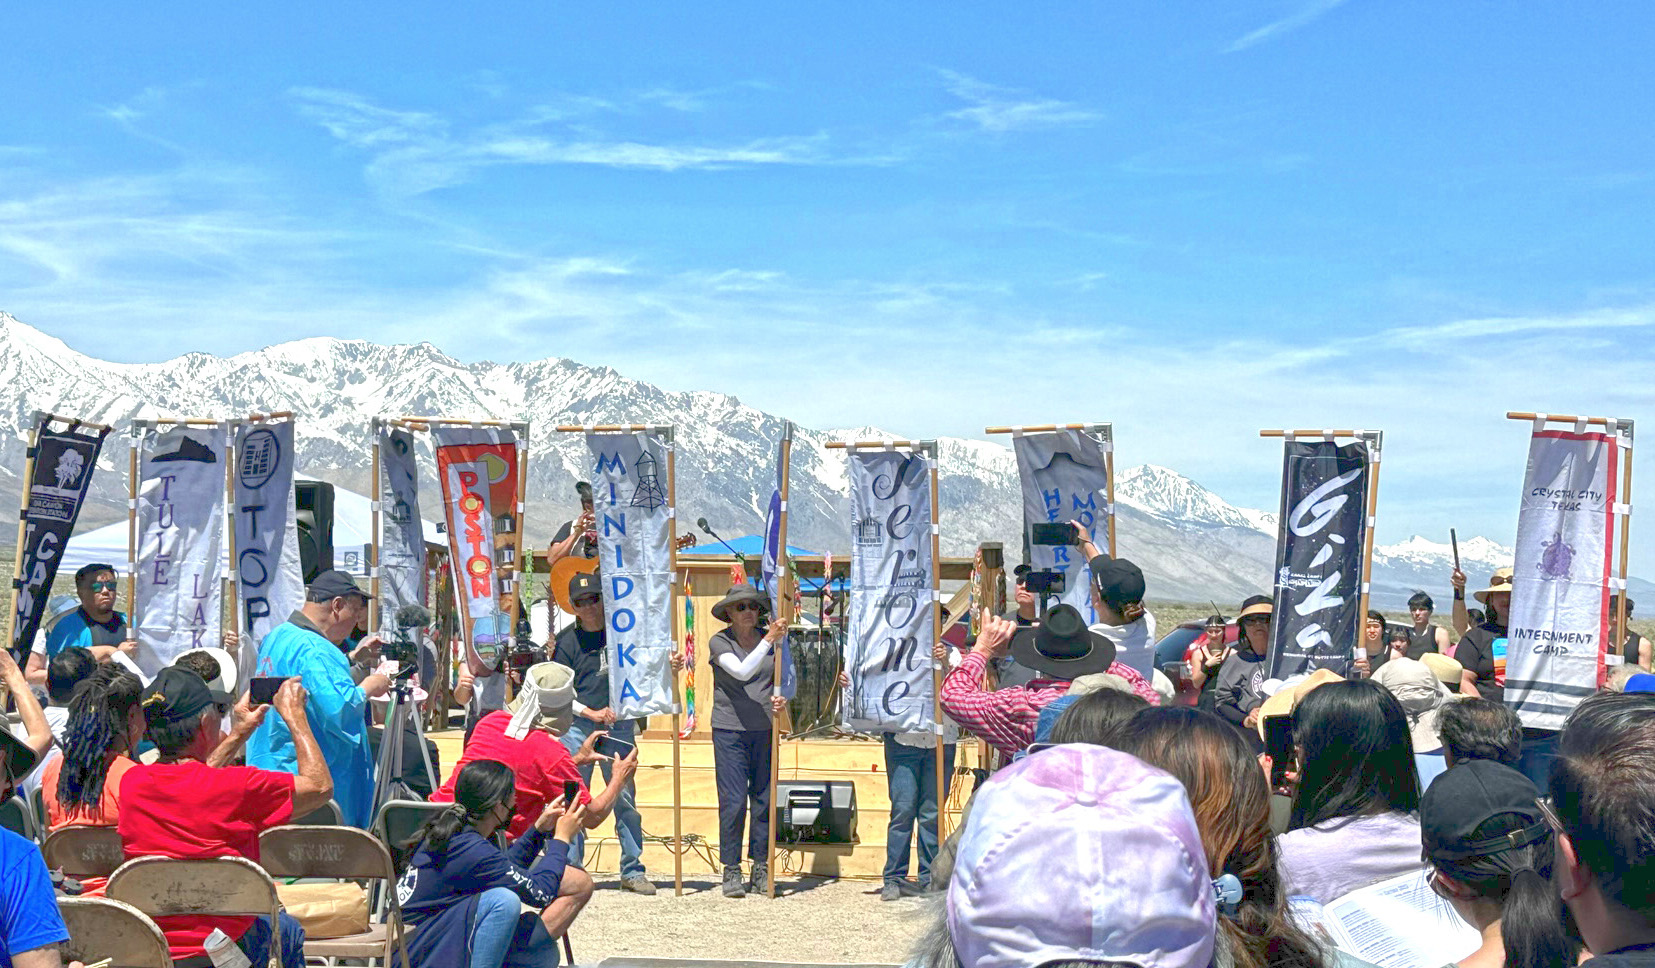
(1000, 109)
(1481, 328)
(1306, 14)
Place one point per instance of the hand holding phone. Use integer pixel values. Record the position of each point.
(1052, 533)
(608, 745)
(571, 790)
(1278, 745)
(262, 689)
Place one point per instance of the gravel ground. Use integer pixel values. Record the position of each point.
(816, 921)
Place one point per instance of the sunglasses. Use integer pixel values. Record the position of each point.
(105, 586)
(587, 600)
(746, 607)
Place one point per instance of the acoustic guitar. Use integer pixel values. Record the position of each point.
(567, 568)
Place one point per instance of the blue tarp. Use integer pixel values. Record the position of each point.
(752, 546)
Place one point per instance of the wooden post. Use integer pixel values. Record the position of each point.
(784, 611)
(519, 560)
(132, 530)
(1376, 442)
(677, 592)
(22, 532)
(373, 548)
(937, 630)
(232, 580)
(1108, 435)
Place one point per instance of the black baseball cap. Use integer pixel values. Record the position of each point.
(19, 757)
(583, 584)
(1022, 570)
(332, 584)
(176, 694)
(1466, 798)
(1118, 581)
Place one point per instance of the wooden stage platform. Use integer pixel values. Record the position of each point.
(860, 760)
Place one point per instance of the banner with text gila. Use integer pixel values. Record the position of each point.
(1560, 614)
(63, 465)
(477, 468)
(180, 541)
(1319, 546)
(892, 619)
(634, 525)
(1065, 477)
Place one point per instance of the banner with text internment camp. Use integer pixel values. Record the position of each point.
(401, 533)
(1560, 617)
(271, 581)
(63, 466)
(892, 619)
(180, 541)
(634, 524)
(1065, 477)
(1324, 509)
(477, 468)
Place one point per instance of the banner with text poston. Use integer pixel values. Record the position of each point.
(180, 541)
(892, 618)
(477, 468)
(1560, 614)
(63, 466)
(1065, 478)
(267, 534)
(1324, 509)
(634, 525)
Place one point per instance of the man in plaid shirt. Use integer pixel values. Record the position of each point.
(1060, 649)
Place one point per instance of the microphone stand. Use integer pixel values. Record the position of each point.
(715, 536)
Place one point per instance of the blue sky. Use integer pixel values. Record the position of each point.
(1195, 220)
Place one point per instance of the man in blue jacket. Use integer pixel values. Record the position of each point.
(307, 646)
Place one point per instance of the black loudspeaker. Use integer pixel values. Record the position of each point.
(313, 500)
(815, 812)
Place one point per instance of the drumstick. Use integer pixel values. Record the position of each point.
(1454, 539)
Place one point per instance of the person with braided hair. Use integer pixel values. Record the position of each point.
(463, 896)
(105, 726)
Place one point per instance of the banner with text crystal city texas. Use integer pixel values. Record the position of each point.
(630, 490)
(892, 618)
(477, 468)
(63, 466)
(1553, 649)
(180, 541)
(1319, 557)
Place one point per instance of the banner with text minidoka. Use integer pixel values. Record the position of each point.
(63, 465)
(1560, 613)
(401, 533)
(477, 468)
(1065, 477)
(892, 614)
(1318, 591)
(634, 525)
(267, 534)
(180, 541)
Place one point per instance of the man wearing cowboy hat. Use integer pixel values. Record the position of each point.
(1059, 649)
(1482, 652)
(524, 736)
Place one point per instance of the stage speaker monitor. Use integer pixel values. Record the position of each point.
(313, 501)
(816, 812)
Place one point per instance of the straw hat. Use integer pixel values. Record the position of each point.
(1265, 607)
(1281, 703)
(1097, 682)
(740, 593)
(1446, 668)
(1500, 581)
(1421, 696)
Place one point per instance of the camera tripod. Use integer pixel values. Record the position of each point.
(399, 714)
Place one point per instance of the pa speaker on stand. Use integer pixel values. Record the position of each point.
(313, 502)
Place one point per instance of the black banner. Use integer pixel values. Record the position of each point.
(63, 466)
(1324, 501)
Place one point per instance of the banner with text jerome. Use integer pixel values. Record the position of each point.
(1560, 614)
(63, 465)
(1065, 478)
(401, 533)
(180, 541)
(267, 534)
(477, 468)
(1319, 557)
(634, 524)
(892, 619)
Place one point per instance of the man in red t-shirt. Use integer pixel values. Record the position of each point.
(524, 735)
(181, 807)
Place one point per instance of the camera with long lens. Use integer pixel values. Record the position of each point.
(524, 651)
(402, 645)
(1045, 582)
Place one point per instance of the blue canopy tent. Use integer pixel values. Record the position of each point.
(751, 546)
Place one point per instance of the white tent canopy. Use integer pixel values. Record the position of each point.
(352, 532)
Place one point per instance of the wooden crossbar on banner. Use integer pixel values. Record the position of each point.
(425, 423)
(40, 415)
(1375, 440)
(1621, 427)
(676, 609)
(1106, 436)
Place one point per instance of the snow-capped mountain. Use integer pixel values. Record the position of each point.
(1192, 545)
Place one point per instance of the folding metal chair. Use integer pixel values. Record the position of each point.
(100, 927)
(342, 853)
(227, 886)
(82, 852)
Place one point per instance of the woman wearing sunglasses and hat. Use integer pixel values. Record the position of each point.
(1482, 652)
(744, 667)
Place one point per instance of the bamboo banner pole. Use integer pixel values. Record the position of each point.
(40, 415)
(521, 560)
(22, 533)
(132, 532)
(1376, 442)
(232, 588)
(1108, 435)
(677, 705)
(612, 428)
(937, 630)
(373, 547)
(874, 444)
(784, 611)
(1327, 434)
(1623, 428)
(1047, 428)
(416, 422)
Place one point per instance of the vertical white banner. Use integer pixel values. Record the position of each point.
(892, 619)
(1065, 477)
(180, 541)
(1554, 644)
(629, 494)
(401, 534)
(267, 534)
